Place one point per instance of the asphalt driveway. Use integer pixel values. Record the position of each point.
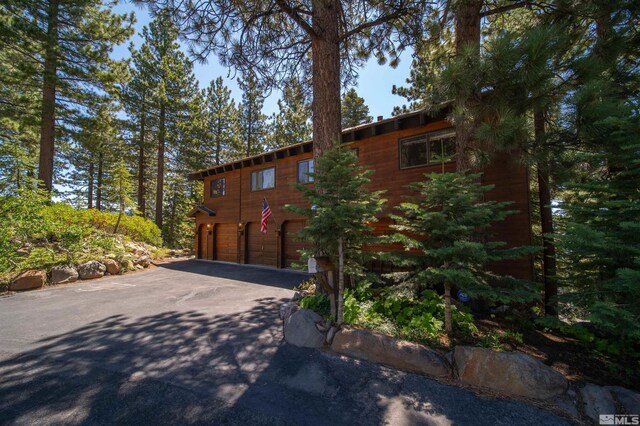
(200, 343)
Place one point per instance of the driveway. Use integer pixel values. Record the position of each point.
(200, 342)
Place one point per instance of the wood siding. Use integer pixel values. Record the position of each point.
(242, 207)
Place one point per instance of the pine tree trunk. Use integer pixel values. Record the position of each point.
(120, 213)
(90, 190)
(160, 174)
(325, 48)
(467, 27)
(99, 184)
(218, 147)
(172, 228)
(340, 310)
(48, 124)
(546, 222)
(249, 128)
(141, 165)
(448, 321)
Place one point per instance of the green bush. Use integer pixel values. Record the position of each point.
(135, 227)
(400, 313)
(56, 233)
(318, 302)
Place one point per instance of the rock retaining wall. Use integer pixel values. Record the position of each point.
(512, 374)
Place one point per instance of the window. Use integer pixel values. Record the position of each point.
(218, 187)
(429, 148)
(304, 168)
(263, 179)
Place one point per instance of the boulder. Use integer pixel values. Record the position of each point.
(127, 265)
(28, 280)
(387, 350)
(300, 329)
(287, 309)
(63, 275)
(143, 261)
(628, 399)
(597, 400)
(112, 266)
(511, 373)
(90, 270)
(23, 251)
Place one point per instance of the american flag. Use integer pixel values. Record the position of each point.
(266, 213)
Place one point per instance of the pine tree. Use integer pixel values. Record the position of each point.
(169, 75)
(68, 45)
(90, 154)
(138, 97)
(339, 219)
(328, 39)
(253, 123)
(222, 124)
(122, 187)
(599, 241)
(291, 124)
(354, 110)
(445, 232)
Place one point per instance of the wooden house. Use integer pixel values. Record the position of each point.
(400, 150)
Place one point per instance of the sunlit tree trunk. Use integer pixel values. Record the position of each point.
(160, 174)
(325, 47)
(47, 125)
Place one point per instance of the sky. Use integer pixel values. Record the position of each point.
(374, 83)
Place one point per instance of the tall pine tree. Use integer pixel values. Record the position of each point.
(67, 45)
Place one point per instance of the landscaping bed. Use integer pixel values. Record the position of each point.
(574, 350)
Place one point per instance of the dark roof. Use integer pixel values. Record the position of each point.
(352, 134)
(201, 209)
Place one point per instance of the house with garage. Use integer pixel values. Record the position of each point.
(400, 150)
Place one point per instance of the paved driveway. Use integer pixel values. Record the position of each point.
(199, 342)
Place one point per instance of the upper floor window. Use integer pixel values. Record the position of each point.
(263, 179)
(304, 168)
(429, 148)
(218, 187)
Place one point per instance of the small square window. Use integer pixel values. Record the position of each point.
(304, 168)
(263, 179)
(218, 187)
(430, 148)
(442, 150)
(413, 152)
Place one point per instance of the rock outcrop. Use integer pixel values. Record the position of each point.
(28, 280)
(112, 266)
(63, 275)
(300, 329)
(510, 373)
(90, 270)
(387, 350)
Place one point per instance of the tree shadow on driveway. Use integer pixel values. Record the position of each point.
(186, 367)
(282, 278)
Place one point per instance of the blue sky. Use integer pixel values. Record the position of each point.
(374, 84)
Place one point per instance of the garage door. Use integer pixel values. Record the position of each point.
(226, 241)
(291, 244)
(262, 249)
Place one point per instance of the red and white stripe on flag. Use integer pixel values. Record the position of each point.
(266, 213)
